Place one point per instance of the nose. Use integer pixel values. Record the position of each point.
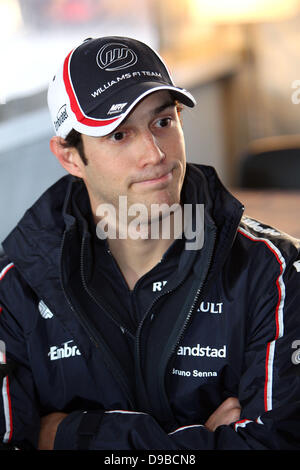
(150, 151)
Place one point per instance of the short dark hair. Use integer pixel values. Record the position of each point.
(74, 139)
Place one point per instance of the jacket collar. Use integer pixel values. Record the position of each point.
(35, 244)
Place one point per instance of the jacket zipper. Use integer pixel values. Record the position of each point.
(120, 379)
(94, 298)
(184, 327)
(164, 363)
(83, 322)
(90, 331)
(139, 378)
(196, 297)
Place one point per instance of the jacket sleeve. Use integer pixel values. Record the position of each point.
(19, 411)
(269, 388)
(127, 430)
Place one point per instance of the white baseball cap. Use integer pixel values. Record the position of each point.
(101, 81)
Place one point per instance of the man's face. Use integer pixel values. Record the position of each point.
(143, 159)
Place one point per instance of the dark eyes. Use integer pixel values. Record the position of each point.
(120, 135)
(164, 122)
(117, 136)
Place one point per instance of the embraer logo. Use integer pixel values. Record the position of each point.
(66, 350)
(115, 56)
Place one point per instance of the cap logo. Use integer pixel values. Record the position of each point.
(61, 116)
(115, 56)
(116, 108)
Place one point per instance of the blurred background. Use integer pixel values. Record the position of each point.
(239, 59)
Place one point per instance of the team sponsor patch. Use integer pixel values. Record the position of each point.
(44, 310)
(65, 350)
(201, 351)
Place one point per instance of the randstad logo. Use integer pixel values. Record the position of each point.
(63, 352)
(201, 351)
(62, 115)
(115, 56)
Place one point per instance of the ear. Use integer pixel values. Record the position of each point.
(68, 157)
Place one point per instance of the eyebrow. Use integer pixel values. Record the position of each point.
(154, 112)
(167, 104)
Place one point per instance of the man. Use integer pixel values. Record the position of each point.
(113, 338)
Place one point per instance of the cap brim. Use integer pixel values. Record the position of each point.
(132, 95)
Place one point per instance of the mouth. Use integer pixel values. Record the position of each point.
(166, 177)
(162, 177)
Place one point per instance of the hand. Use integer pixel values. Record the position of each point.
(228, 412)
(49, 425)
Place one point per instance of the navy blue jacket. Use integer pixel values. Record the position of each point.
(226, 322)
